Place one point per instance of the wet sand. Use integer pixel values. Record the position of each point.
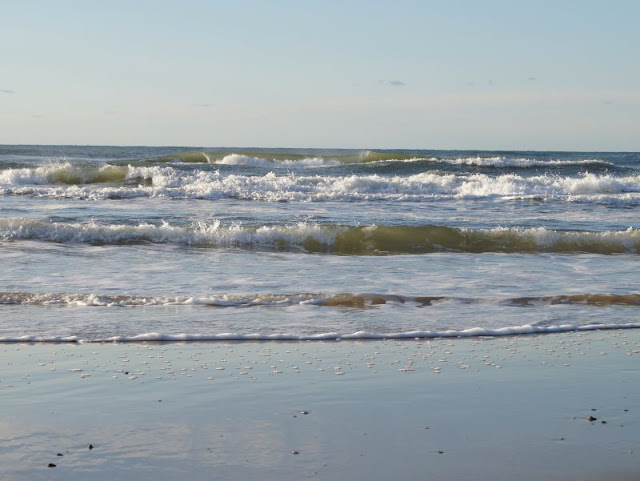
(561, 407)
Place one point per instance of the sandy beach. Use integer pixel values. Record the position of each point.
(562, 407)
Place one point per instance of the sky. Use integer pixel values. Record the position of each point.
(456, 74)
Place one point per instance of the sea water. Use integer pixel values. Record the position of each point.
(178, 243)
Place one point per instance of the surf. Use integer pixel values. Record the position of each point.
(313, 238)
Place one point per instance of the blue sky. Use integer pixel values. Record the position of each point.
(540, 75)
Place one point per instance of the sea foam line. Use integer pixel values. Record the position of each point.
(524, 330)
(355, 300)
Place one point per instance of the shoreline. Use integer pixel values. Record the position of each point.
(541, 406)
(470, 333)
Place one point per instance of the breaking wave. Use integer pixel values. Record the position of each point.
(522, 163)
(250, 157)
(64, 173)
(123, 182)
(330, 239)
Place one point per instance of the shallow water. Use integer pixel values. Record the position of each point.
(180, 243)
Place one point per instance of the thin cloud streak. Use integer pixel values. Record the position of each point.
(392, 83)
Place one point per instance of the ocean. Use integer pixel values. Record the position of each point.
(192, 244)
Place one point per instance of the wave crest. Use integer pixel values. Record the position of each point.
(69, 181)
(256, 157)
(64, 173)
(330, 239)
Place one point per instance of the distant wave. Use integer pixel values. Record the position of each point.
(122, 182)
(522, 163)
(242, 157)
(330, 239)
(252, 157)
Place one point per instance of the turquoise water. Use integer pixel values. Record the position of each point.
(199, 243)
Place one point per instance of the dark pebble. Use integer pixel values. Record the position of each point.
(603, 422)
(440, 452)
(51, 465)
(60, 454)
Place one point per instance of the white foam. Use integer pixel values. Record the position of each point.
(239, 159)
(501, 161)
(295, 236)
(25, 176)
(166, 181)
(200, 234)
(262, 300)
(37, 339)
(527, 329)
(60, 172)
